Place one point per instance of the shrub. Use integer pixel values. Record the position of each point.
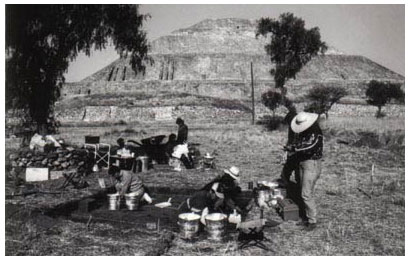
(381, 93)
(323, 97)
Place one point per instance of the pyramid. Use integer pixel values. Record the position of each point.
(214, 53)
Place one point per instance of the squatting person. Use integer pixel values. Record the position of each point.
(229, 187)
(203, 202)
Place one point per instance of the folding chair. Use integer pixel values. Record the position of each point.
(101, 151)
(251, 234)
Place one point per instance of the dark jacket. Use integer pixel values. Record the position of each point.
(308, 144)
(200, 200)
(182, 134)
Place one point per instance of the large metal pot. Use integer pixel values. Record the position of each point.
(113, 201)
(263, 196)
(132, 201)
(216, 226)
(188, 225)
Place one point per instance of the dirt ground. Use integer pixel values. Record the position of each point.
(359, 213)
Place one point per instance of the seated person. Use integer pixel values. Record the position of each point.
(230, 189)
(123, 150)
(204, 202)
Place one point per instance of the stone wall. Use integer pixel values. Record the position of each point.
(131, 114)
(344, 110)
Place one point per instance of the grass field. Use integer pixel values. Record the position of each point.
(359, 214)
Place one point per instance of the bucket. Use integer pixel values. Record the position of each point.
(188, 225)
(114, 201)
(263, 196)
(131, 202)
(215, 226)
(144, 160)
(280, 192)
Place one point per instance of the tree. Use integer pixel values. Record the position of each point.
(381, 93)
(291, 46)
(41, 40)
(323, 97)
(272, 100)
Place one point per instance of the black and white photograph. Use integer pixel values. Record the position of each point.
(211, 129)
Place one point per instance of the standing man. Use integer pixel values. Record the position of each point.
(181, 151)
(307, 146)
(182, 131)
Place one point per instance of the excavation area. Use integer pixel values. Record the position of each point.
(360, 197)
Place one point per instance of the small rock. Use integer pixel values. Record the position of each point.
(44, 162)
(14, 164)
(52, 155)
(39, 158)
(81, 163)
(56, 163)
(70, 148)
(13, 157)
(65, 165)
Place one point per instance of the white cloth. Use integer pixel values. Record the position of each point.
(37, 141)
(180, 150)
(50, 138)
(203, 216)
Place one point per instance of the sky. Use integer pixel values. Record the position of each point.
(374, 31)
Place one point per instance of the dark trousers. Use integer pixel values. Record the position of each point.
(290, 166)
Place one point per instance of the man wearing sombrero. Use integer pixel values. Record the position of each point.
(307, 147)
(229, 187)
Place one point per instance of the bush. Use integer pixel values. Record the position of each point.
(381, 93)
(323, 97)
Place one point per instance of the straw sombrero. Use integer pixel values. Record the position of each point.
(303, 121)
(233, 172)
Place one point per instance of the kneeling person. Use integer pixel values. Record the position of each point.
(130, 184)
(203, 202)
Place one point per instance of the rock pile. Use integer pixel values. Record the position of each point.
(58, 159)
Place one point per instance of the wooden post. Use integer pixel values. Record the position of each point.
(372, 178)
(252, 92)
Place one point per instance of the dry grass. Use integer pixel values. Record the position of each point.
(371, 124)
(351, 222)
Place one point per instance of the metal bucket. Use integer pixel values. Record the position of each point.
(216, 226)
(263, 196)
(144, 160)
(188, 225)
(113, 201)
(280, 192)
(131, 202)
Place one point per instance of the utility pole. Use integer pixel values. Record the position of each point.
(252, 92)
